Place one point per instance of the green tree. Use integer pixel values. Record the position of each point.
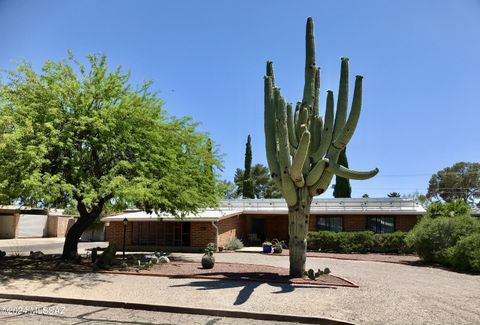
(454, 208)
(80, 136)
(394, 194)
(342, 186)
(247, 189)
(460, 181)
(263, 185)
(365, 196)
(227, 189)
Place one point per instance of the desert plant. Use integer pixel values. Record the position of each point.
(2, 254)
(302, 151)
(145, 265)
(208, 260)
(105, 260)
(312, 275)
(233, 243)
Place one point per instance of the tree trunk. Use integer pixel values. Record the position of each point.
(86, 219)
(297, 230)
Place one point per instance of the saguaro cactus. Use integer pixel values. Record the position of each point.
(303, 149)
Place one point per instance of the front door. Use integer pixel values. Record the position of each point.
(258, 228)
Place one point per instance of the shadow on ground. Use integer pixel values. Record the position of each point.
(247, 287)
(13, 279)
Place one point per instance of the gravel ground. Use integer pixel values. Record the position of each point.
(48, 313)
(388, 294)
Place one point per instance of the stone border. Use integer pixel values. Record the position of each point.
(179, 309)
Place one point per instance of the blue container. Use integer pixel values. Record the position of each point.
(267, 249)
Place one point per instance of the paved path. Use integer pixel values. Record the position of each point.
(388, 294)
(48, 313)
(54, 245)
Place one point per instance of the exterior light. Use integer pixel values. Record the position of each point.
(125, 222)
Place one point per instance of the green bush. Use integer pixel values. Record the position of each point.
(465, 255)
(340, 242)
(391, 243)
(431, 238)
(357, 242)
(233, 243)
(327, 241)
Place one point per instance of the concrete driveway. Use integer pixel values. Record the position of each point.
(23, 246)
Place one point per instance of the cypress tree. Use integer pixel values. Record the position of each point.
(248, 192)
(342, 185)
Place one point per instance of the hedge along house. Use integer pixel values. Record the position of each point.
(257, 220)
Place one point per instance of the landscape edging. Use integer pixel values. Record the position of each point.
(179, 309)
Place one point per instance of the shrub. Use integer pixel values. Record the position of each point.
(326, 241)
(391, 243)
(356, 242)
(341, 242)
(233, 243)
(431, 238)
(465, 255)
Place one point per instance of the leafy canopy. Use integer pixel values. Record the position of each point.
(460, 181)
(263, 185)
(73, 135)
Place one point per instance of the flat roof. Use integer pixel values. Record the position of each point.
(228, 208)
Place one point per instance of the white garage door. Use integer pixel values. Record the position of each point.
(32, 225)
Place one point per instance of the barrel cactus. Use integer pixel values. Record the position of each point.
(303, 148)
(208, 260)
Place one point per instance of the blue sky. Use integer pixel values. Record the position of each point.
(420, 60)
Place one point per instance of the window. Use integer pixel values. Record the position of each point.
(381, 224)
(330, 223)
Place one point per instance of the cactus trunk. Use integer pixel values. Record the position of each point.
(297, 230)
(302, 150)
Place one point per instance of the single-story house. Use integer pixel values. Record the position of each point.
(256, 220)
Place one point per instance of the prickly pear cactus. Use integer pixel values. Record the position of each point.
(303, 148)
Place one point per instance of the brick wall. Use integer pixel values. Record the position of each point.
(231, 227)
(354, 223)
(276, 227)
(202, 233)
(405, 223)
(114, 233)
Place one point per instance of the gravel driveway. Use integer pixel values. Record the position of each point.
(388, 294)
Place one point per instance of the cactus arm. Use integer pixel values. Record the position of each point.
(301, 121)
(322, 184)
(353, 117)
(297, 113)
(287, 185)
(327, 131)
(291, 129)
(310, 69)
(342, 102)
(351, 174)
(299, 160)
(270, 136)
(282, 129)
(316, 111)
(270, 72)
(317, 171)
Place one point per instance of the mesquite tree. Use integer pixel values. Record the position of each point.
(84, 137)
(303, 149)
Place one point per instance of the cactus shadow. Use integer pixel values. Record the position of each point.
(232, 280)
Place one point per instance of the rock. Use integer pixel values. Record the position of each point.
(36, 255)
(124, 267)
(163, 259)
